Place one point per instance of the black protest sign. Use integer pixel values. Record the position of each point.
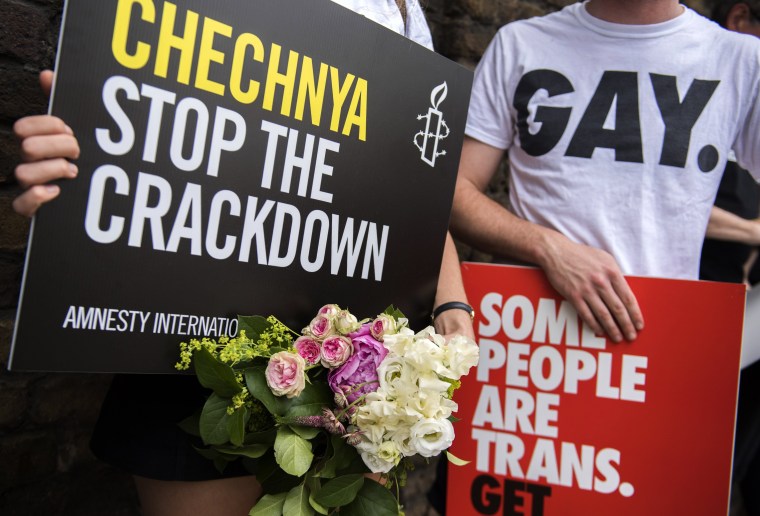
(237, 157)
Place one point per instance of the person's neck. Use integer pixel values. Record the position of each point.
(634, 12)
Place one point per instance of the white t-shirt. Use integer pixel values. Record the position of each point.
(386, 13)
(618, 134)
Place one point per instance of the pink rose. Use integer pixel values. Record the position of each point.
(383, 325)
(358, 375)
(329, 310)
(320, 327)
(335, 351)
(285, 374)
(308, 348)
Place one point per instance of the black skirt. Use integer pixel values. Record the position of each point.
(138, 429)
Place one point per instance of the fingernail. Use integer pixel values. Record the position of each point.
(69, 130)
(52, 188)
(631, 336)
(640, 325)
(73, 170)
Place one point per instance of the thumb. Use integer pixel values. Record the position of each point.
(46, 81)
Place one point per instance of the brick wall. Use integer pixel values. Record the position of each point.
(46, 419)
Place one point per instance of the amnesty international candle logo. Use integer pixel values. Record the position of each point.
(248, 156)
(436, 128)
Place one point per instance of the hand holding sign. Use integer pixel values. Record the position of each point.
(46, 145)
(564, 422)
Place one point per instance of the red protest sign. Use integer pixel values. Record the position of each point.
(558, 421)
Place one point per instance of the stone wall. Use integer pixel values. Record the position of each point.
(46, 419)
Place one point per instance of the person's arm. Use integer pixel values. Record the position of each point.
(724, 225)
(451, 288)
(47, 144)
(588, 277)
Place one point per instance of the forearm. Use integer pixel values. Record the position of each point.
(724, 225)
(487, 225)
(450, 288)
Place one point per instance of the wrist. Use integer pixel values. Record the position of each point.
(545, 246)
(454, 322)
(453, 305)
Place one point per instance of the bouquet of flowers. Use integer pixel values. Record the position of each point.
(321, 409)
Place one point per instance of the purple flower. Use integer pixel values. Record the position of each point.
(358, 375)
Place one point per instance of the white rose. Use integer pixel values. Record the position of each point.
(389, 452)
(372, 426)
(425, 355)
(430, 384)
(430, 407)
(346, 322)
(431, 436)
(388, 372)
(375, 463)
(397, 343)
(371, 455)
(461, 354)
(402, 438)
(398, 378)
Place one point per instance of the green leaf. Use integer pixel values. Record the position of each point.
(315, 486)
(312, 400)
(264, 437)
(269, 505)
(342, 455)
(272, 478)
(280, 482)
(221, 462)
(236, 426)
(257, 385)
(254, 325)
(318, 508)
(456, 460)
(213, 423)
(191, 424)
(265, 468)
(371, 500)
(307, 432)
(253, 451)
(394, 312)
(215, 375)
(219, 459)
(355, 466)
(340, 491)
(297, 502)
(207, 453)
(292, 452)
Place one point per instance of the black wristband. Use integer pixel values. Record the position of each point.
(453, 305)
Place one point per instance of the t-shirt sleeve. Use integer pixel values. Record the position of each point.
(489, 119)
(747, 144)
(417, 27)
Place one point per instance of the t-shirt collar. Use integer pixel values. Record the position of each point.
(621, 30)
